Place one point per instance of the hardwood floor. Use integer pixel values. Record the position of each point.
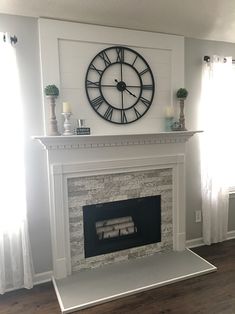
(210, 294)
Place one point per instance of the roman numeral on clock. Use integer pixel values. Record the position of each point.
(147, 87)
(92, 67)
(144, 71)
(97, 102)
(134, 61)
(138, 115)
(145, 101)
(123, 117)
(108, 113)
(120, 54)
(103, 55)
(90, 84)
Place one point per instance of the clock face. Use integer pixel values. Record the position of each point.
(119, 85)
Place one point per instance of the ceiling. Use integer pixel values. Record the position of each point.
(204, 19)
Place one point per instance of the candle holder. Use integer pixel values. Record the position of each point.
(181, 95)
(168, 123)
(67, 124)
(53, 130)
(182, 119)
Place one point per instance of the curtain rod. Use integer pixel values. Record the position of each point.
(208, 59)
(13, 39)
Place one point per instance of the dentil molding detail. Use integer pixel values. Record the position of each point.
(97, 141)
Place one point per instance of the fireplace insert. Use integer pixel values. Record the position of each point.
(119, 225)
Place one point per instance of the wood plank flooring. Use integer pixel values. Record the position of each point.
(210, 294)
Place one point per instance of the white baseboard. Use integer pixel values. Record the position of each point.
(232, 192)
(42, 277)
(231, 235)
(194, 243)
(199, 241)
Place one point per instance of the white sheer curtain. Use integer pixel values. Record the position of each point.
(15, 258)
(216, 117)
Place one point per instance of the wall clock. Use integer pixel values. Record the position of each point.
(119, 85)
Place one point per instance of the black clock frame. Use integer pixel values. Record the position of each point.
(121, 86)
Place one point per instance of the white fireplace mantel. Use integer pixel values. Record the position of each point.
(98, 141)
(79, 156)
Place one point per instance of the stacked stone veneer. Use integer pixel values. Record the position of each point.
(114, 187)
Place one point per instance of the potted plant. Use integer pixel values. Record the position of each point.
(181, 95)
(52, 92)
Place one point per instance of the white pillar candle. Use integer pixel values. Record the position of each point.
(66, 107)
(169, 112)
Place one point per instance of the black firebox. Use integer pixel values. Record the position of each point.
(114, 226)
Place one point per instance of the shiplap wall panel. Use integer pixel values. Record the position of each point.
(67, 49)
(74, 60)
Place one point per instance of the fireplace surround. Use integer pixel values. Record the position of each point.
(119, 188)
(79, 157)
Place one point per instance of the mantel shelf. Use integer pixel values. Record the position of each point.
(110, 140)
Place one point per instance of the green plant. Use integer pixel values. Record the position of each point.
(182, 93)
(51, 90)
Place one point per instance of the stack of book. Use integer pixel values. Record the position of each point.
(83, 131)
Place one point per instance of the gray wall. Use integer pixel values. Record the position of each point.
(194, 51)
(231, 214)
(36, 177)
(37, 190)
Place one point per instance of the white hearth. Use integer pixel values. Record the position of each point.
(79, 157)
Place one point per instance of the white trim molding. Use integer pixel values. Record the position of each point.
(232, 192)
(60, 173)
(231, 235)
(194, 243)
(110, 154)
(98, 141)
(42, 277)
(199, 241)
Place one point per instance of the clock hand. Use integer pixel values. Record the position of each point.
(130, 93)
(121, 71)
(122, 101)
(121, 86)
